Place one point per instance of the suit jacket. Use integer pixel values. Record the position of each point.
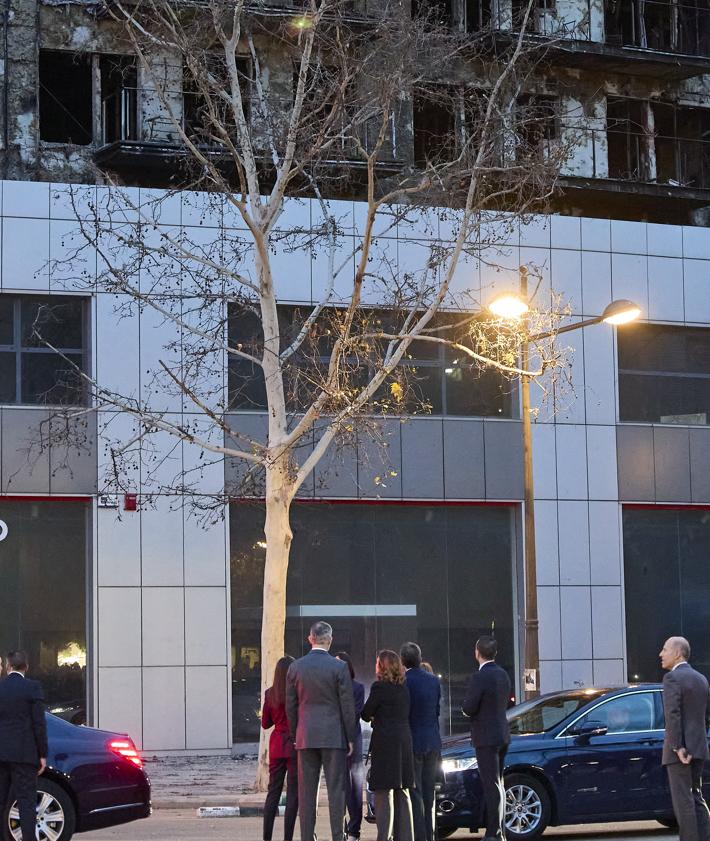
(319, 702)
(23, 728)
(424, 705)
(686, 704)
(485, 704)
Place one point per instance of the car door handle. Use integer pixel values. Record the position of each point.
(652, 742)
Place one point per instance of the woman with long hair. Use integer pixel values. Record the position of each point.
(282, 755)
(392, 762)
(356, 765)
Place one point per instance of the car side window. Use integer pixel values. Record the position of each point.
(626, 714)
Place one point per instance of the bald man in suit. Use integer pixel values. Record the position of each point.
(686, 704)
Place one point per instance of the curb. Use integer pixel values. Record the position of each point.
(234, 811)
(214, 807)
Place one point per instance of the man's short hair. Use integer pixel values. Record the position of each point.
(683, 647)
(411, 655)
(487, 647)
(322, 633)
(17, 661)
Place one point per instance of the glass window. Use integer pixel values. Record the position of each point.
(667, 585)
(543, 714)
(664, 374)
(367, 569)
(436, 380)
(43, 593)
(42, 350)
(626, 714)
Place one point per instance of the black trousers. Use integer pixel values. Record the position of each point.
(490, 770)
(333, 761)
(20, 780)
(393, 814)
(280, 769)
(426, 767)
(691, 810)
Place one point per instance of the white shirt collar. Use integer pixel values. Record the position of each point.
(17, 673)
(487, 663)
(682, 663)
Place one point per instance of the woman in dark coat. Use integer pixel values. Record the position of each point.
(392, 768)
(282, 755)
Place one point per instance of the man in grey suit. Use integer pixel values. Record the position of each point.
(686, 704)
(321, 716)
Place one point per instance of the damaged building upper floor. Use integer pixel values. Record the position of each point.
(625, 89)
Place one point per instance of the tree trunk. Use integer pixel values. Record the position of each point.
(277, 531)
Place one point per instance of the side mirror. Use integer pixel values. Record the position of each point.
(586, 729)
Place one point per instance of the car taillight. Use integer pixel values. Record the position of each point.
(126, 749)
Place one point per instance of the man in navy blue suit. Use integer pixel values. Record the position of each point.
(23, 740)
(425, 701)
(485, 704)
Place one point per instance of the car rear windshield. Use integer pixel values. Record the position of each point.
(543, 714)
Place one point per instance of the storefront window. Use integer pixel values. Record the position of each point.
(43, 593)
(666, 555)
(381, 574)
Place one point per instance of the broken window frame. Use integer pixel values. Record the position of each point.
(193, 100)
(629, 23)
(125, 99)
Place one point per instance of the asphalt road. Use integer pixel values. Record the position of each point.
(169, 824)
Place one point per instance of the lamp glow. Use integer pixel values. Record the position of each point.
(508, 305)
(621, 312)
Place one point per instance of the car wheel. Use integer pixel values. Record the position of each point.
(527, 807)
(56, 816)
(669, 823)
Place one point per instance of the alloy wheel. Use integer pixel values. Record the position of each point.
(523, 809)
(50, 819)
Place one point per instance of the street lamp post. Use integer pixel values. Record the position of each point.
(515, 307)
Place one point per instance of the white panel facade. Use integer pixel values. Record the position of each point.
(161, 593)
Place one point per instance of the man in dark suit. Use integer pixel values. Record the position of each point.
(321, 716)
(485, 704)
(686, 704)
(23, 740)
(424, 704)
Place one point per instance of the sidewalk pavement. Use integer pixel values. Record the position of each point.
(180, 782)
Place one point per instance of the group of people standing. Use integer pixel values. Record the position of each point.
(315, 706)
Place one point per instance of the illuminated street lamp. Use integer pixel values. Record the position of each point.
(514, 306)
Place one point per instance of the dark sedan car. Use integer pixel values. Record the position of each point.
(582, 756)
(93, 779)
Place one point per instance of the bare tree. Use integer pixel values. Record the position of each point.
(265, 104)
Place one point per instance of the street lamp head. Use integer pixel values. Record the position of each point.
(509, 305)
(621, 312)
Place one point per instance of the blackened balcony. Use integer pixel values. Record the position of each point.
(154, 143)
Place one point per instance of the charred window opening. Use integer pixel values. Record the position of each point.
(478, 15)
(537, 124)
(205, 112)
(65, 98)
(434, 127)
(625, 122)
(119, 98)
(663, 25)
(658, 141)
(437, 12)
(682, 138)
(537, 19)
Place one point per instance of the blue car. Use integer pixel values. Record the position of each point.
(575, 757)
(93, 779)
